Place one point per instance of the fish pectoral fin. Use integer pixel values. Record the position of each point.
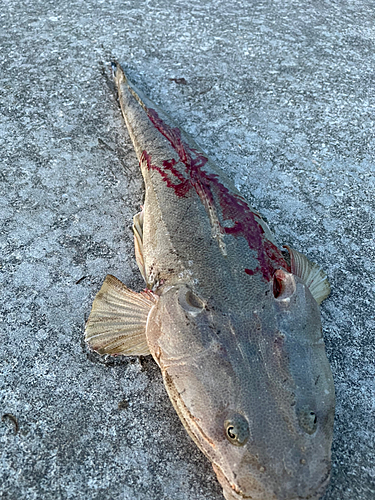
(310, 273)
(138, 242)
(117, 322)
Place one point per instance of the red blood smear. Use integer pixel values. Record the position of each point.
(251, 272)
(233, 207)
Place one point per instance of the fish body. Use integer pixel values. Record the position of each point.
(232, 321)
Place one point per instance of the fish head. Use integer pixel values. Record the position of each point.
(252, 385)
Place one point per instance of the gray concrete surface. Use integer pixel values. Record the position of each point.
(281, 95)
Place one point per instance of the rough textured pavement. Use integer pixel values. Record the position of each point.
(281, 95)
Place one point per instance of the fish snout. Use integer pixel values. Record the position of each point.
(250, 487)
(232, 492)
(233, 495)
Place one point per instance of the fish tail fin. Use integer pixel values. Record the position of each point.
(114, 66)
(118, 73)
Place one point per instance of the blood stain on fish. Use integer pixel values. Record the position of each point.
(234, 207)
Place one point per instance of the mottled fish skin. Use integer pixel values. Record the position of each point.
(236, 334)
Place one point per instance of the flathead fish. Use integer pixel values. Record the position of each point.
(232, 321)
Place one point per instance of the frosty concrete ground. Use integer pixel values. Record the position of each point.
(281, 95)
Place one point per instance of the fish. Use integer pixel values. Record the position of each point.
(231, 319)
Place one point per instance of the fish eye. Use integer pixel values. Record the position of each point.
(236, 429)
(190, 302)
(308, 420)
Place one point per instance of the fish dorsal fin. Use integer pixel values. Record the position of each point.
(117, 322)
(310, 273)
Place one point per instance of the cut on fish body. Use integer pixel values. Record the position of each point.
(232, 323)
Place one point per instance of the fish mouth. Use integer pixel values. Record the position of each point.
(232, 492)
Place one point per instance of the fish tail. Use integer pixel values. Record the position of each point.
(118, 74)
(114, 66)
